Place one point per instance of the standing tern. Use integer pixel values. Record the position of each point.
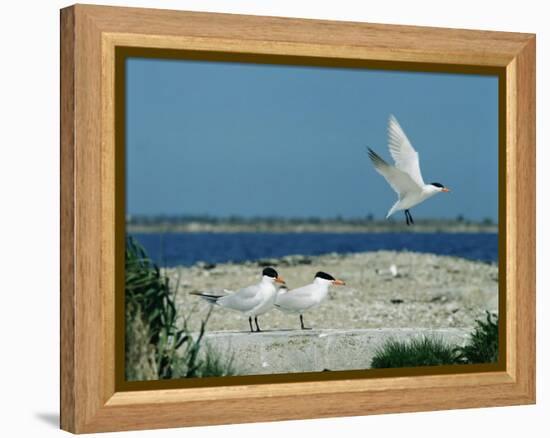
(253, 300)
(306, 297)
(405, 177)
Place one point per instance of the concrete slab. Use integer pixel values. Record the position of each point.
(287, 351)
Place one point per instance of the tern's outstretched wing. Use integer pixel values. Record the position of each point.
(402, 152)
(399, 180)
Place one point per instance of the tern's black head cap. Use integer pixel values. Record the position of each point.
(324, 276)
(270, 272)
(441, 186)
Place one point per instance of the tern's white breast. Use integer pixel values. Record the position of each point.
(414, 198)
(268, 294)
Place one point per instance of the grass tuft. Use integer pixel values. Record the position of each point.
(414, 353)
(483, 344)
(214, 366)
(481, 348)
(156, 348)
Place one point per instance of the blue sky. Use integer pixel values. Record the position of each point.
(259, 140)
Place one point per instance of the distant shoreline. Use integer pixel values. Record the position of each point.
(421, 226)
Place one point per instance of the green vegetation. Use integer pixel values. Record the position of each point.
(155, 347)
(481, 348)
(415, 353)
(483, 345)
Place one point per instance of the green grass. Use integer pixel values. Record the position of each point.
(214, 365)
(483, 344)
(414, 353)
(482, 347)
(156, 348)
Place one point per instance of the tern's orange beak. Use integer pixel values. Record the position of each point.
(338, 283)
(445, 189)
(279, 280)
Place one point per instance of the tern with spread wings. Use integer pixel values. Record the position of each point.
(404, 177)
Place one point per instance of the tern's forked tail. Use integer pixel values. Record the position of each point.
(392, 210)
(212, 299)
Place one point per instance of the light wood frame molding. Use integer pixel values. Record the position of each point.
(89, 37)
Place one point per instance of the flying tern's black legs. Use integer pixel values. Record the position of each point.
(302, 323)
(409, 217)
(257, 326)
(250, 322)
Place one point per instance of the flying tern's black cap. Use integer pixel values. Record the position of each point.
(270, 272)
(324, 276)
(441, 186)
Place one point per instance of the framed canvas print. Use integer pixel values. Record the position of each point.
(270, 218)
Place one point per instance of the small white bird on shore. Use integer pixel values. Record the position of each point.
(392, 271)
(405, 177)
(307, 297)
(253, 300)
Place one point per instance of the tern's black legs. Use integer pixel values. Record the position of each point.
(251, 326)
(302, 323)
(408, 217)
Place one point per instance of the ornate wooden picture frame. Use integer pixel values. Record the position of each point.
(94, 43)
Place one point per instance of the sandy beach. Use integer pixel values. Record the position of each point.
(429, 291)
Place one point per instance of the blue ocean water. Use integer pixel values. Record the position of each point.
(172, 249)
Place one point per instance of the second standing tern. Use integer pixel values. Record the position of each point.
(405, 177)
(253, 300)
(306, 297)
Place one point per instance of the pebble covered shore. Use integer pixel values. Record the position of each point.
(429, 291)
